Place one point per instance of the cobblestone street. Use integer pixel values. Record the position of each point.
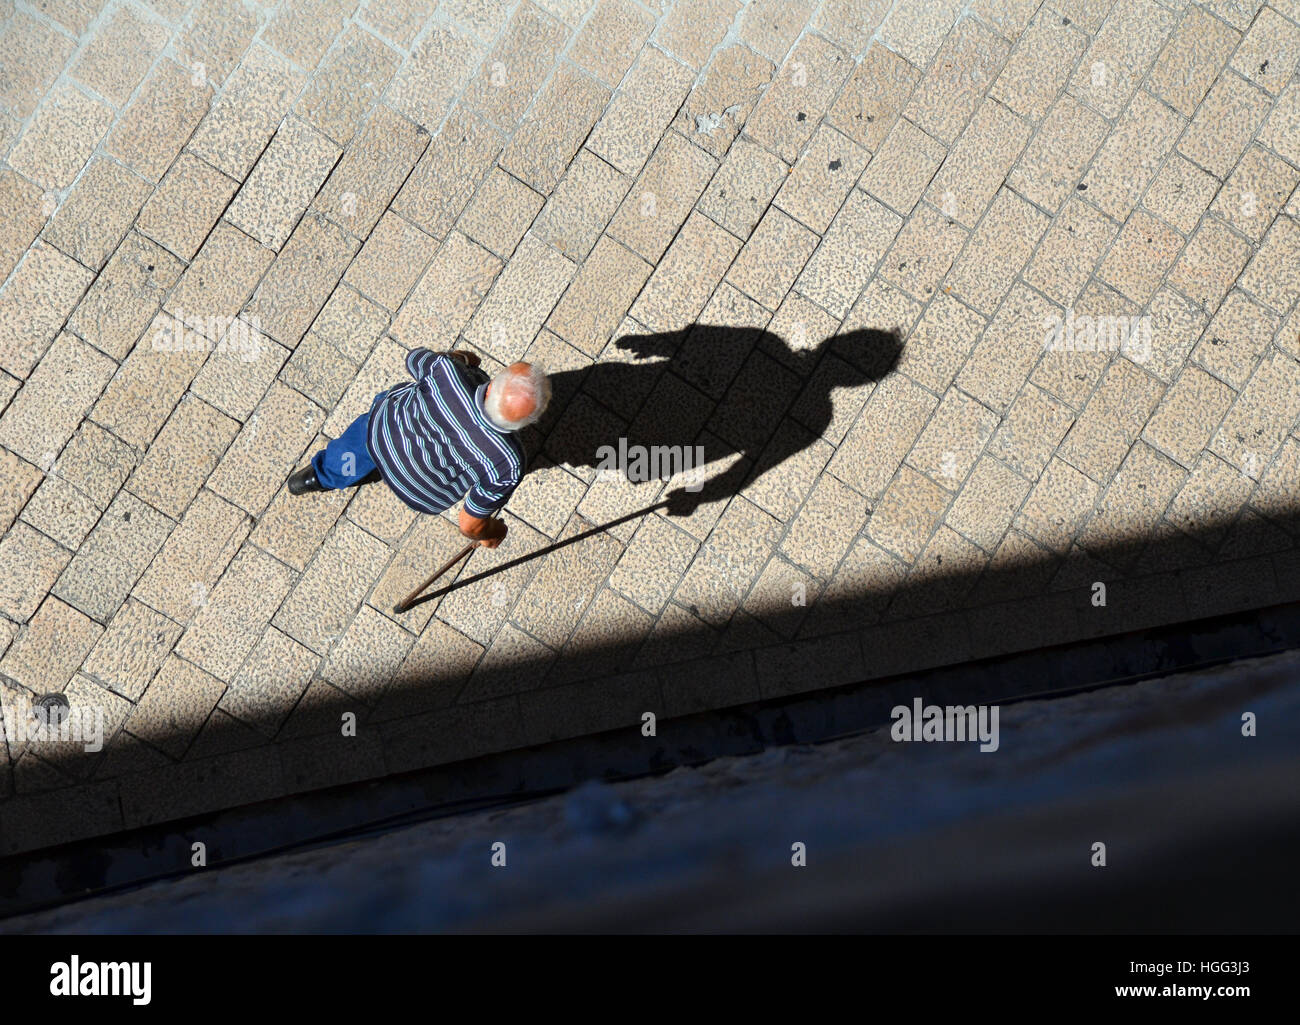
(226, 223)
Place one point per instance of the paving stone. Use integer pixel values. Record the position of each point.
(97, 213)
(385, 367)
(1082, 343)
(824, 175)
(1270, 51)
(304, 29)
(119, 54)
(1210, 500)
(1258, 421)
(893, 418)
(1235, 340)
(118, 550)
(150, 382)
(923, 252)
(1176, 324)
(237, 611)
(1271, 274)
(1008, 350)
(1188, 415)
(512, 73)
(213, 289)
(217, 33)
(978, 163)
(723, 98)
(520, 301)
(234, 383)
(1273, 496)
(1030, 431)
(160, 120)
(1193, 59)
(1037, 71)
(1212, 260)
(1137, 261)
(31, 563)
(94, 462)
(1255, 193)
(374, 166)
(1070, 251)
(1225, 123)
(824, 529)
(60, 391)
(652, 563)
(903, 166)
(565, 584)
(561, 118)
(416, 558)
(479, 610)
(691, 32)
(907, 514)
(987, 503)
(45, 656)
(35, 303)
(132, 649)
(271, 681)
(180, 580)
(266, 449)
(1054, 161)
(682, 281)
(59, 511)
(1120, 54)
(658, 204)
(605, 286)
(642, 107)
(874, 96)
(581, 206)
(769, 262)
(181, 457)
(125, 296)
(288, 174)
(326, 597)
(348, 82)
(799, 96)
(1058, 506)
(851, 23)
(1112, 420)
(1135, 500)
(60, 138)
(729, 562)
(1180, 193)
(997, 252)
(175, 707)
(24, 82)
(500, 213)
(367, 656)
(446, 296)
(301, 279)
(952, 441)
(244, 117)
(437, 70)
(940, 342)
(24, 204)
(401, 21)
(799, 326)
(611, 39)
(855, 242)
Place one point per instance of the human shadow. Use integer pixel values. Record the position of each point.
(719, 391)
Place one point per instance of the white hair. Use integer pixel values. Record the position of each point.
(532, 383)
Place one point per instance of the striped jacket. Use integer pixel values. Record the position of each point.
(434, 444)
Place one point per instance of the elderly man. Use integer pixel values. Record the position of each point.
(447, 435)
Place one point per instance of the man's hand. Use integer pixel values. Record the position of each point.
(487, 530)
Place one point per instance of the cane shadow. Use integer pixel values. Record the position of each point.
(731, 391)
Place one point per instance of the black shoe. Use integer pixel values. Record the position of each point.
(304, 480)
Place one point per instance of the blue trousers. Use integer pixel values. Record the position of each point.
(345, 462)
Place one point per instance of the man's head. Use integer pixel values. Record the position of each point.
(517, 396)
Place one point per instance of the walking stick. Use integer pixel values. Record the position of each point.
(406, 602)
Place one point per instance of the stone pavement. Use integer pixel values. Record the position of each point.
(1080, 217)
